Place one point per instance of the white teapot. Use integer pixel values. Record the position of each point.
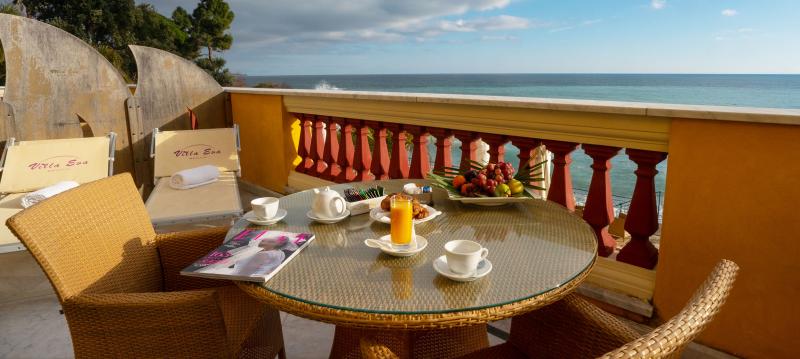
(328, 204)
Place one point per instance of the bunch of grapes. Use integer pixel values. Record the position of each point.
(487, 179)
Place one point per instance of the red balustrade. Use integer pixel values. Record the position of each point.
(526, 147)
(420, 162)
(469, 147)
(599, 208)
(362, 158)
(398, 165)
(346, 152)
(350, 157)
(444, 140)
(304, 147)
(560, 190)
(331, 151)
(497, 146)
(380, 151)
(642, 219)
(317, 146)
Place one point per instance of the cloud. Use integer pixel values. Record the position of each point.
(502, 22)
(498, 38)
(742, 33)
(584, 23)
(261, 22)
(729, 12)
(658, 4)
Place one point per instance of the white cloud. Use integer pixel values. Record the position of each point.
(742, 33)
(310, 26)
(502, 22)
(658, 4)
(584, 23)
(729, 12)
(498, 37)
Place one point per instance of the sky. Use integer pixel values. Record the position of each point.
(320, 37)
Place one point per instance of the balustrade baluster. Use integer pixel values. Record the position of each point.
(560, 190)
(362, 157)
(642, 217)
(420, 161)
(469, 148)
(599, 209)
(444, 156)
(346, 152)
(398, 164)
(497, 146)
(331, 152)
(380, 151)
(304, 145)
(317, 146)
(526, 146)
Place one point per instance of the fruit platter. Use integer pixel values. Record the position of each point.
(490, 184)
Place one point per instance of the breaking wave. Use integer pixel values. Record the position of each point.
(326, 86)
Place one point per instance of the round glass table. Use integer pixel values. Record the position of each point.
(539, 252)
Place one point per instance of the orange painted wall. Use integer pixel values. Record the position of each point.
(733, 191)
(266, 132)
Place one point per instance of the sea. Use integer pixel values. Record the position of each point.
(767, 90)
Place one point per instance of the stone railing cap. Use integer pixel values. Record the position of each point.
(720, 113)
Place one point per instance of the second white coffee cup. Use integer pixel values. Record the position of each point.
(265, 207)
(463, 256)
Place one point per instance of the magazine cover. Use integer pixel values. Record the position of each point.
(252, 255)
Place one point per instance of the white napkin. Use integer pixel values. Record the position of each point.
(35, 197)
(194, 177)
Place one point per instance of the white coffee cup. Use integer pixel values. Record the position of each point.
(463, 256)
(265, 207)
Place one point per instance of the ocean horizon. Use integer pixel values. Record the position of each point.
(748, 90)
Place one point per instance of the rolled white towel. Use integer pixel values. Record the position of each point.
(35, 197)
(194, 177)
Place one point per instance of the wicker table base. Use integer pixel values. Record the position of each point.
(437, 343)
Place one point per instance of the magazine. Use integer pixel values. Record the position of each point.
(252, 255)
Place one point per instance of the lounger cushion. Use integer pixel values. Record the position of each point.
(9, 206)
(32, 165)
(219, 199)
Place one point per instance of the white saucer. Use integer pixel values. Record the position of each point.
(378, 214)
(328, 220)
(417, 245)
(251, 217)
(440, 265)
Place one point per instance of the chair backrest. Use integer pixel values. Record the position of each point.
(96, 238)
(179, 150)
(32, 165)
(670, 338)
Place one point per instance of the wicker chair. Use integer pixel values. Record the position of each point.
(574, 328)
(119, 286)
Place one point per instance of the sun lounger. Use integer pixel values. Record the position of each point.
(32, 165)
(176, 151)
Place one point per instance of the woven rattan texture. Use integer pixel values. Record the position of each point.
(574, 328)
(178, 250)
(93, 239)
(98, 248)
(439, 343)
(539, 252)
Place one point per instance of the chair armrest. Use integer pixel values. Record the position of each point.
(171, 324)
(178, 250)
(569, 328)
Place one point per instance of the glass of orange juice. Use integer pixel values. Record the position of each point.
(401, 221)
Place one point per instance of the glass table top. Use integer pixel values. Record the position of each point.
(534, 247)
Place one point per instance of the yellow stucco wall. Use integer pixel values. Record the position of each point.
(268, 137)
(733, 191)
